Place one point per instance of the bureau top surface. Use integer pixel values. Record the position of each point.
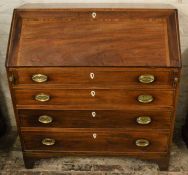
(127, 35)
(31, 6)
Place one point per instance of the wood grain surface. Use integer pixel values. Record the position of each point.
(105, 141)
(49, 38)
(79, 78)
(101, 119)
(103, 99)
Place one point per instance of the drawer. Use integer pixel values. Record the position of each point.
(95, 77)
(96, 141)
(96, 119)
(93, 99)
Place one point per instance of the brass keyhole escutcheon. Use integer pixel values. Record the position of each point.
(93, 93)
(94, 135)
(94, 15)
(92, 75)
(11, 78)
(93, 114)
(176, 79)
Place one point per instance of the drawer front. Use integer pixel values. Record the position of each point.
(95, 77)
(96, 119)
(94, 99)
(96, 141)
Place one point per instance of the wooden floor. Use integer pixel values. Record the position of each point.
(11, 162)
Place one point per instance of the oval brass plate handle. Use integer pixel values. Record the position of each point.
(142, 143)
(146, 78)
(42, 97)
(39, 78)
(145, 98)
(48, 141)
(45, 119)
(143, 120)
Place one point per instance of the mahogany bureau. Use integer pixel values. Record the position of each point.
(94, 79)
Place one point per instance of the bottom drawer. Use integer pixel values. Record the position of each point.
(88, 140)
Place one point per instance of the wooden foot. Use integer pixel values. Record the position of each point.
(163, 163)
(29, 162)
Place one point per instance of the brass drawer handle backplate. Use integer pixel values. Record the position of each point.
(48, 141)
(143, 120)
(39, 78)
(146, 78)
(42, 97)
(142, 143)
(145, 98)
(45, 119)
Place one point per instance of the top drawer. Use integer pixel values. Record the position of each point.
(95, 77)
